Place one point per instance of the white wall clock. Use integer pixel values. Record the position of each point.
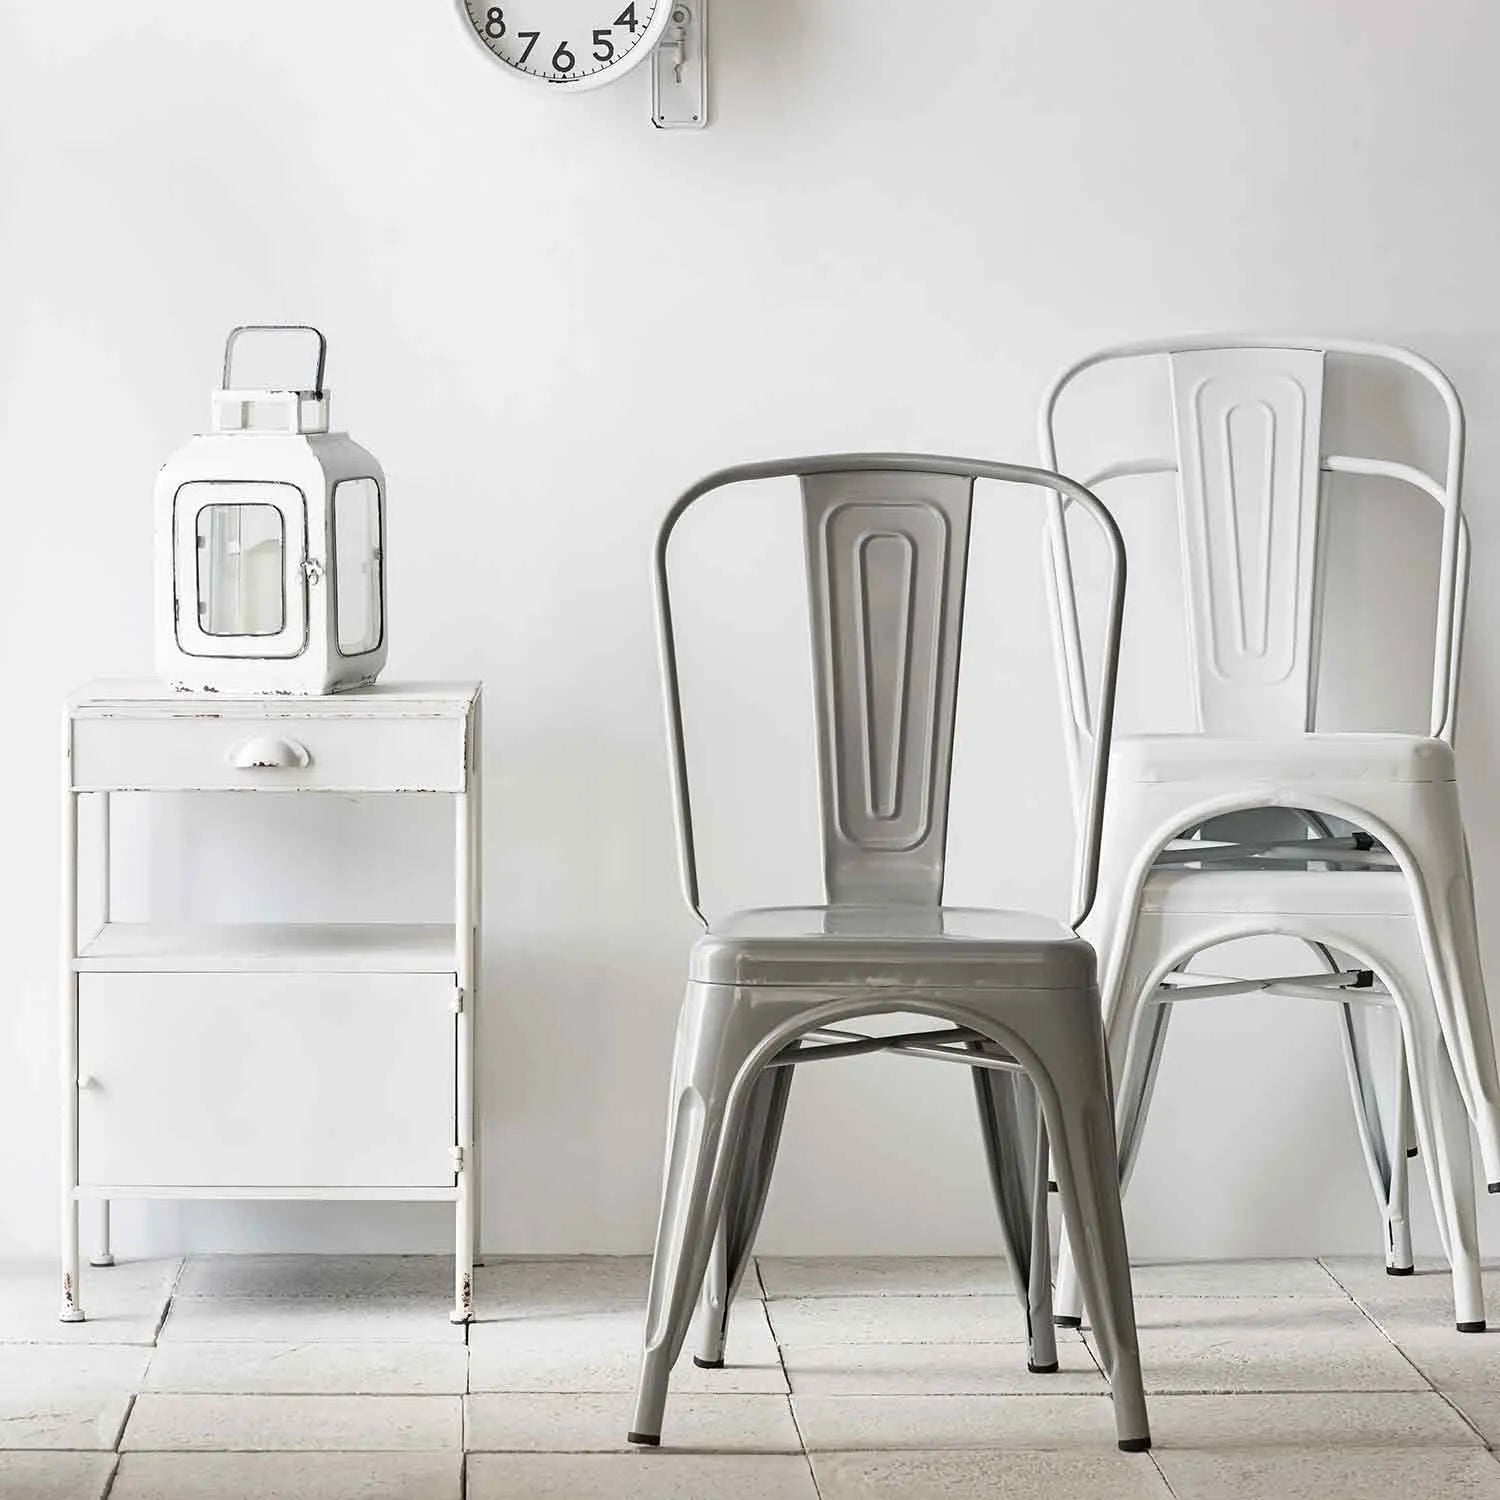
(574, 45)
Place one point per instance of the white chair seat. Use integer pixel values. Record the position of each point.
(871, 947)
(1309, 757)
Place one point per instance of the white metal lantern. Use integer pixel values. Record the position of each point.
(270, 541)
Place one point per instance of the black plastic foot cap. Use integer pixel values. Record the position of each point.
(1052, 1186)
(1042, 1369)
(1472, 1327)
(1059, 1321)
(1400, 1270)
(640, 1440)
(1135, 1445)
(1494, 1187)
(1411, 1151)
(708, 1364)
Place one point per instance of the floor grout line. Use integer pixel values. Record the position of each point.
(1380, 1329)
(786, 1375)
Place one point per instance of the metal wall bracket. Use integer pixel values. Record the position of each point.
(679, 69)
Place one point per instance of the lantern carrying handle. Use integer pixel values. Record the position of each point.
(316, 390)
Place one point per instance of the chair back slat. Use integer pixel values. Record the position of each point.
(1248, 427)
(887, 555)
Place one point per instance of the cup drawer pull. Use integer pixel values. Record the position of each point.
(265, 753)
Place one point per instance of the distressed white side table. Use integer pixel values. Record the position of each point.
(269, 1060)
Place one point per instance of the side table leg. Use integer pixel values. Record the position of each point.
(103, 1254)
(463, 1253)
(71, 1310)
(463, 932)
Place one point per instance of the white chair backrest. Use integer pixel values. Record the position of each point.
(887, 544)
(1249, 459)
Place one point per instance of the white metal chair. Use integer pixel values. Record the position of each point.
(886, 540)
(1388, 906)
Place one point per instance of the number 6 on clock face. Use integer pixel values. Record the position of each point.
(569, 44)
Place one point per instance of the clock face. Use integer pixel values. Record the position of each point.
(569, 43)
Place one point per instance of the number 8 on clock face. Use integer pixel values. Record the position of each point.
(569, 44)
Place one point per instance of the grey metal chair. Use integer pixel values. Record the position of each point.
(887, 552)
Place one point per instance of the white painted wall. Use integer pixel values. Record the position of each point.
(546, 318)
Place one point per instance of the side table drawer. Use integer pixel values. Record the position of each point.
(274, 753)
(266, 1080)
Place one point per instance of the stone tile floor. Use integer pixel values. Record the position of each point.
(263, 1377)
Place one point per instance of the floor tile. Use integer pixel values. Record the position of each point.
(602, 1352)
(288, 1476)
(56, 1476)
(897, 1320)
(311, 1320)
(124, 1303)
(637, 1476)
(1232, 1278)
(1481, 1405)
(993, 1476)
(27, 1369)
(316, 1276)
(1309, 1419)
(1448, 1358)
(874, 1424)
(935, 1369)
(1365, 1276)
(63, 1420)
(1329, 1474)
(1266, 1344)
(1424, 1300)
(278, 1423)
(311, 1369)
(598, 1424)
(504, 1289)
(884, 1276)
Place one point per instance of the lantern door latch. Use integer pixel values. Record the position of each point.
(679, 70)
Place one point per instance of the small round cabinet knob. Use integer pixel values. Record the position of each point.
(266, 753)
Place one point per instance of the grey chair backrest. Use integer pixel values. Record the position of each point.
(887, 546)
(1249, 460)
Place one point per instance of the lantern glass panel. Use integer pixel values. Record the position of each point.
(241, 570)
(357, 565)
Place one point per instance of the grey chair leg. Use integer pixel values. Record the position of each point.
(744, 1203)
(1138, 1081)
(1081, 1126)
(717, 1033)
(1015, 1148)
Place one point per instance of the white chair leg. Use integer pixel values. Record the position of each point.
(1384, 1129)
(1443, 877)
(1442, 1125)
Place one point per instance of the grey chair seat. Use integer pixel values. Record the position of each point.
(888, 947)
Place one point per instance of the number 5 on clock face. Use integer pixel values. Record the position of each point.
(569, 44)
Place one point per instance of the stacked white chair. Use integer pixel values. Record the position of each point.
(1259, 823)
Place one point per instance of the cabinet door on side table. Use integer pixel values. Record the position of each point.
(266, 1080)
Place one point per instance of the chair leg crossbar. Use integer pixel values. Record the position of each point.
(1349, 851)
(934, 1045)
(1335, 986)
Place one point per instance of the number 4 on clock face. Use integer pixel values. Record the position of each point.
(569, 44)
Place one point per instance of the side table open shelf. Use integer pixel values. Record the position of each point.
(294, 1060)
